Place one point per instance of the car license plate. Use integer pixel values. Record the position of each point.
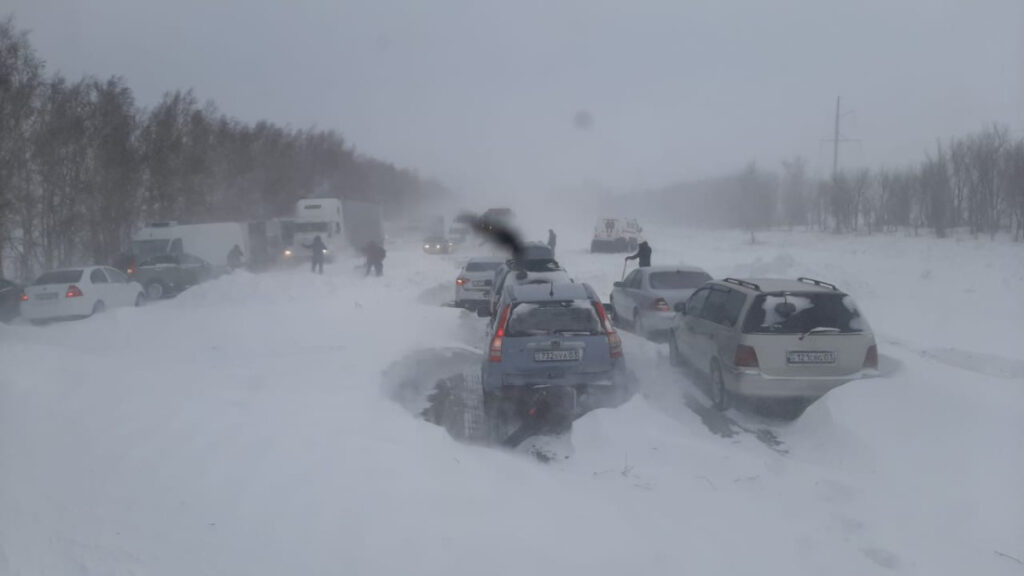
(810, 357)
(479, 282)
(48, 296)
(557, 355)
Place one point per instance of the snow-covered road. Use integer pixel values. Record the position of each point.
(255, 425)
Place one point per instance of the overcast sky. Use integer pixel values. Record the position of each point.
(483, 94)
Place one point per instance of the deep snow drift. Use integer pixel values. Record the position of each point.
(265, 424)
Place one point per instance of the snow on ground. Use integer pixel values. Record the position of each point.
(265, 424)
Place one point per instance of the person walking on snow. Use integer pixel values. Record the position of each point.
(375, 254)
(319, 249)
(643, 253)
(552, 240)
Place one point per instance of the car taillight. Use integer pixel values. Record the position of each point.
(24, 297)
(614, 345)
(494, 353)
(871, 358)
(661, 305)
(460, 281)
(746, 357)
(73, 292)
(130, 271)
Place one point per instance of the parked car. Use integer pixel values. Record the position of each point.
(474, 283)
(10, 300)
(787, 342)
(437, 245)
(552, 350)
(78, 293)
(616, 235)
(646, 299)
(165, 275)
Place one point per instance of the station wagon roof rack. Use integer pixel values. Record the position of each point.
(743, 283)
(806, 280)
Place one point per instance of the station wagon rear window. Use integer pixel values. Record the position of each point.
(59, 277)
(546, 318)
(677, 280)
(482, 266)
(797, 313)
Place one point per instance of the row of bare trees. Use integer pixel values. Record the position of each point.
(82, 165)
(974, 183)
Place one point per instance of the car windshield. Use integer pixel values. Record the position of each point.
(482, 266)
(798, 313)
(538, 265)
(678, 280)
(310, 227)
(534, 252)
(538, 319)
(144, 249)
(59, 277)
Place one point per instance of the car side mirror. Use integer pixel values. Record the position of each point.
(619, 285)
(680, 307)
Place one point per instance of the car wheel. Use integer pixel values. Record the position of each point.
(674, 357)
(155, 290)
(98, 307)
(719, 395)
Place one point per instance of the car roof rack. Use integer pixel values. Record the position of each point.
(806, 280)
(743, 283)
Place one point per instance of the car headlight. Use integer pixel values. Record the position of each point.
(426, 245)
(287, 252)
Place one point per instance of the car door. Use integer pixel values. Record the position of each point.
(721, 313)
(100, 288)
(623, 297)
(126, 293)
(689, 322)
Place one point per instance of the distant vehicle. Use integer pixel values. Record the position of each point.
(211, 242)
(645, 300)
(784, 342)
(315, 217)
(553, 355)
(474, 283)
(170, 274)
(616, 235)
(10, 300)
(362, 223)
(78, 293)
(437, 245)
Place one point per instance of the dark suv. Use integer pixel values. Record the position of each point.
(165, 275)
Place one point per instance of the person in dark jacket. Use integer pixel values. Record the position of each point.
(235, 257)
(319, 249)
(552, 240)
(643, 253)
(375, 254)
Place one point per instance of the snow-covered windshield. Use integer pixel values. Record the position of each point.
(796, 313)
(678, 280)
(538, 319)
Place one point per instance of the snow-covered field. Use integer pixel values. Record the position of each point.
(265, 424)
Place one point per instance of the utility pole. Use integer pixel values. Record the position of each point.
(837, 138)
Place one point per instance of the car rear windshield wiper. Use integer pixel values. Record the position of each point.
(820, 330)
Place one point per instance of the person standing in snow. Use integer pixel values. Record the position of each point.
(235, 257)
(643, 253)
(552, 240)
(319, 249)
(375, 254)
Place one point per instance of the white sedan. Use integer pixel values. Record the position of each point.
(78, 293)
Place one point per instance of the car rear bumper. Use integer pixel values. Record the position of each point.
(655, 321)
(755, 384)
(58, 310)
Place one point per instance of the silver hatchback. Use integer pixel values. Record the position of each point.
(785, 341)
